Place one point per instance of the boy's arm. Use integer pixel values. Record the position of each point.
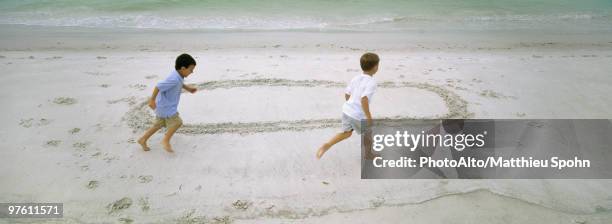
(365, 105)
(365, 101)
(152, 99)
(189, 88)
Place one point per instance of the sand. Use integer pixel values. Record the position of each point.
(74, 104)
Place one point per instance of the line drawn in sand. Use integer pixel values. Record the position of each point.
(139, 117)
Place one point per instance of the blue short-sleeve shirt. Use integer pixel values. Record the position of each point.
(169, 95)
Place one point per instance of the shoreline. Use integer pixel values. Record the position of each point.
(66, 138)
(39, 38)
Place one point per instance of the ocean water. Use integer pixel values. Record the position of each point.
(315, 15)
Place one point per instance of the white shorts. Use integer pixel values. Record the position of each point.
(349, 123)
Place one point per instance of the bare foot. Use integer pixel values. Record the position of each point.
(167, 146)
(322, 150)
(143, 143)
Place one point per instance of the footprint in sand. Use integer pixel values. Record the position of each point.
(53, 143)
(191, 217)
(84, 167)
(81, 145)
(131, 100)
(377, 202)
(493, 94)
(92, 184)
(110, 158)
(64, 100)
(26, 123)
(126, 221)
(241, 205)
(138, 86)
(121, 204)
(96, 154)
(145, 179)
(144, 204)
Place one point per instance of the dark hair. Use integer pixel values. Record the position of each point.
(368, 61)
(184, 60)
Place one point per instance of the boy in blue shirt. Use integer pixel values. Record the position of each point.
(165, 99)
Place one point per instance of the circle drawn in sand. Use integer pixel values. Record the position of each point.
(139, 117)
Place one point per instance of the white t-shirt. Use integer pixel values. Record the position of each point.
(360, 86)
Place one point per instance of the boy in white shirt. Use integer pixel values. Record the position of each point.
(358, 96)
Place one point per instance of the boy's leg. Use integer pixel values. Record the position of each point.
(367, 142)
(143, 140)
(174, 125)
(337, 138)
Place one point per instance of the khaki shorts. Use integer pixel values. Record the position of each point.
(169, 122)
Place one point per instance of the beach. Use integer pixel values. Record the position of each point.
(246, 154)
(74, 96)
